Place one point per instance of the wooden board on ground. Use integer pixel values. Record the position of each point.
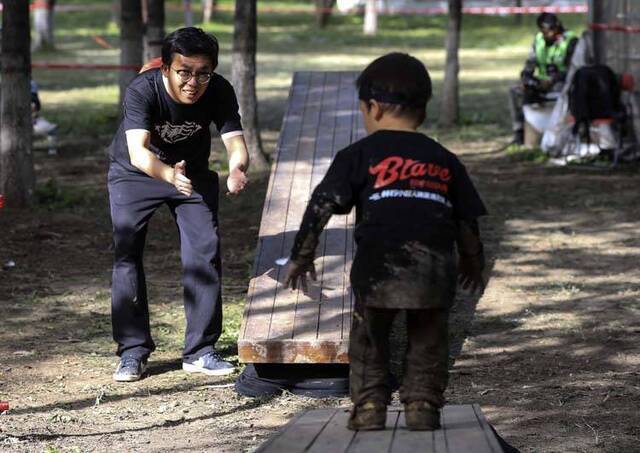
(464, 429)
(280, 325)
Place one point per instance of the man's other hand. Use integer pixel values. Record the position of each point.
(470, 273)
(546, 85)
(180, 181)
(297, 275)
(237, 181)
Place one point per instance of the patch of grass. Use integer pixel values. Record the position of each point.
(233, 310)
(54, 197)
(521, 154)
(51, 449)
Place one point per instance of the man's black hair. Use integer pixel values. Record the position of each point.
(549, 21)
(399, 82)
(190, 41)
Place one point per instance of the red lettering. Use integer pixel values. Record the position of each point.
(406, 169)
(396, 168)
(418, 170)
(433, 170)
(386, 171)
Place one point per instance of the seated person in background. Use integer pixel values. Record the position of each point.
(544, 71)
(42, 127)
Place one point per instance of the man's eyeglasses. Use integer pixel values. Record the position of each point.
(185, 76)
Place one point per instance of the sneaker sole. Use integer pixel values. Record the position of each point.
(130, 378)
(189, 368)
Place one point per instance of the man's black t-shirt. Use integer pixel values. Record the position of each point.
(178, 131)
(409, 193)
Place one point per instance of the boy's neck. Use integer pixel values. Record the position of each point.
(393, 123)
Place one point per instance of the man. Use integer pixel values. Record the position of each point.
(160, 156)
(545, 69)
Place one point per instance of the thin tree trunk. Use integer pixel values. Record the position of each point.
(115, 12)
(449, 106)
(188, 13)
(154, 29)
(17, 178)
(43, 24)
(518, 16)
(371, 18)
(597, 16)
(323, 12)
(131, 47)
(208, 8)
(243, 77)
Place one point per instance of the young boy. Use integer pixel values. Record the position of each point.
(413, 201)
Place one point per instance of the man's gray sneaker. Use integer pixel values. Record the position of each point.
(211, 364)
(130, 369)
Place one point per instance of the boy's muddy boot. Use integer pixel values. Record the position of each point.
(368, 416)
(421, 416)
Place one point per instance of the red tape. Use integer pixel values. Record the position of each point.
(482, 10)
(614, 27)
(119, 67)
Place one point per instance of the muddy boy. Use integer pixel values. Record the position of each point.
(415, 207)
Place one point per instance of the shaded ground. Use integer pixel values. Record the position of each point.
(550, 351)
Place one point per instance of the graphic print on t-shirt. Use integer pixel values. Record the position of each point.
(419, 174)
(173, 133)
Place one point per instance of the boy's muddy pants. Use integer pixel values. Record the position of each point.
(425, 374)
(134, 198)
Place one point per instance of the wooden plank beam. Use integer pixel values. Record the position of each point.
(298, 435)
(262, 288)
(464, 429)
(280, 325)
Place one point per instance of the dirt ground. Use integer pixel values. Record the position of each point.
(550, 351)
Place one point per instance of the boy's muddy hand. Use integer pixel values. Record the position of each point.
(470, 274)
(297, 275)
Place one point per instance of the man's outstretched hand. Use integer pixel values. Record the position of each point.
(237, 181)
(297, 275)
(470, 273)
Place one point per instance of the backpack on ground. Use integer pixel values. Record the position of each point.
(595, 94)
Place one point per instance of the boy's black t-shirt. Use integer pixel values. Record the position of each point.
(409, 193)
(178, 131)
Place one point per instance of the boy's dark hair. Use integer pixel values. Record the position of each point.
(399, 82)
(549, 21)
(190, 41)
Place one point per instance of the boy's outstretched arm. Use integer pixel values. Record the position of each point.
(315, 218)
(471, 256)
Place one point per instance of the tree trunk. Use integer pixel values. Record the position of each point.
(131, 47)
(518, 16)
(188, 13)
(208, 8)
(115, 12)
(449, 106)
(323, 12)
(154, 29)
(597, 16)
(43, 24)
(243, 77)
(17, 178)
(371, 18)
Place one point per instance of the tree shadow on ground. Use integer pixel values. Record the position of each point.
(252, 404)
(551, 345)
